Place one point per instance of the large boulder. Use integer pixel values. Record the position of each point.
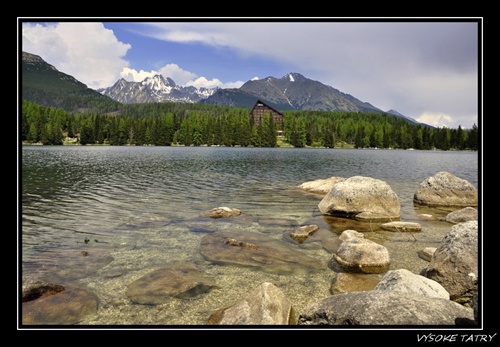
(406, 281)
(446, 189)
(362, 198)
(454, 264)
(380, 307)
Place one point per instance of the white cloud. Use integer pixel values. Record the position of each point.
(180, 76)
(436, 119)
(132, 75)
(87, 51)
(236, 84)
(189, 33)
(191, 36)
(203, 82)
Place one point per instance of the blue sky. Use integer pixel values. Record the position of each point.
(426, 70)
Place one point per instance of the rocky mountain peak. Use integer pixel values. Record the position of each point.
(294, 77)
(158, 82)
(33, 59)
(155, 89)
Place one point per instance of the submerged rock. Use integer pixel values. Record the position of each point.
(346, 282)
(399, 226)
(36, 288)
(221, 212)
(265, 305)
(256, 250)
(302, 233)
(70, 306)
(180, 280)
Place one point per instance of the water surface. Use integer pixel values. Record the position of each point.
(135, 209)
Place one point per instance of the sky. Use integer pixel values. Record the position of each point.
(425, 69)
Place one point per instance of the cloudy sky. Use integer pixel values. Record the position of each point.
(426, 70)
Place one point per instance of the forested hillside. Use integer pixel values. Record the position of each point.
(43, 84)
(166, 124)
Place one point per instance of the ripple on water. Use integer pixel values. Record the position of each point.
(142, 205)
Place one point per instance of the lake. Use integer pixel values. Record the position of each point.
(136, 209)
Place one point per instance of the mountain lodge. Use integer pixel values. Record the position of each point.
(260, 109)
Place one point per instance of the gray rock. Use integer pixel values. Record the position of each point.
(377, 307)
(445, 189)
(406, 281)
(454, 264)
(463, 215)
(475, 307)
(357, 254)
(365, 198)
(321, 186)
(427, 253)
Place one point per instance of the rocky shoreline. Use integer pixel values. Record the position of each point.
(366, 288)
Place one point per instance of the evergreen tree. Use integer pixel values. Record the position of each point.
(86, 135)
(473, 138)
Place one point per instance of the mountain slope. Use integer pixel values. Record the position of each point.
(43, 84)
(294, 92)
(300, 93)
(234, 97)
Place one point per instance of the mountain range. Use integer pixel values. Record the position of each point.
(155, 89)
(43, 83)
(296, 92)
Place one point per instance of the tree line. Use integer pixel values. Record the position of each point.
(166, 124)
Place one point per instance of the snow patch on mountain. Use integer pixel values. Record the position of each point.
(155, 89)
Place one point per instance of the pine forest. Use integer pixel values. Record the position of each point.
(182, 124)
